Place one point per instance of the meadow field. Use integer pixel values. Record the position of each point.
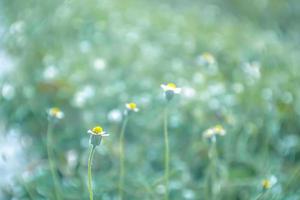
(149, 100)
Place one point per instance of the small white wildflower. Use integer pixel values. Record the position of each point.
(269, 182)
(55, 113)
(132, 107)
(8, 91)
(50, 72)
(97, 130)
(82, 96)
(206, 59)
(188, 92)
(170, 89)
(99, 64)
(212, 132)
(114, 115)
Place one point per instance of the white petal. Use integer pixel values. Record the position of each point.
(164, 87)
(104, 134)
(90, 131)
(136, 110)
(177, 90)
(60, 115)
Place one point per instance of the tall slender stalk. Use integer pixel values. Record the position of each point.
(260, 196)
(167, 153)
(122, 165)
(27, 188)
(90, 160)
(212, 172)
(51, 161)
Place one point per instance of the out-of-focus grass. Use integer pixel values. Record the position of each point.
(91, 57)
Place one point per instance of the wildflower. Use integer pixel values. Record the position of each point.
(99, 64)
(96, 135)
(268, 183)
(206, 59)
(56, 113)
(132, 107)
(114, 115)
(212, 132)
(170, 89)
(7, 91)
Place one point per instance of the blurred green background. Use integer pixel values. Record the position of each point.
(91, 57)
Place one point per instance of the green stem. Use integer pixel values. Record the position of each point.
(27, 188)
(91, 155)
(212, 171)
(122, 165)
(51, 161)
(260, 196)
(167, 153)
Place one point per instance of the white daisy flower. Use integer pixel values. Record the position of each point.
(206, 59)
(55, 112)
(216, 130)
(171, 87)
(268, 183)
(132, 107)
(96, 135)
(98, 130)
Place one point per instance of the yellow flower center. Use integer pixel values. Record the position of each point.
(171, 85)
(207, 56)
(132, 106)
(97, 130)
(219, 128)
(54, 111)
(266, 184)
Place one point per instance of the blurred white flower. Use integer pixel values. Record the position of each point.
(8, 91)
(188, 92)
(269, 182)
(214, 131)
(99, 64)
(82, 96)
(188, 194)
(160, 189)
(12, 156)
(206, 59)
(252, 69)
(16, 27)
(55, 113)
(72, 158)
(50, 72)
(114, 115)
(171, 87)
(6, 63)
(132, 107)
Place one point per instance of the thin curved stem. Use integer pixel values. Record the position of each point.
(211, 178)
(27, 188)
(260, 196)
(122, 164)
(167, 153)
(51, 161)
(90, 160)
